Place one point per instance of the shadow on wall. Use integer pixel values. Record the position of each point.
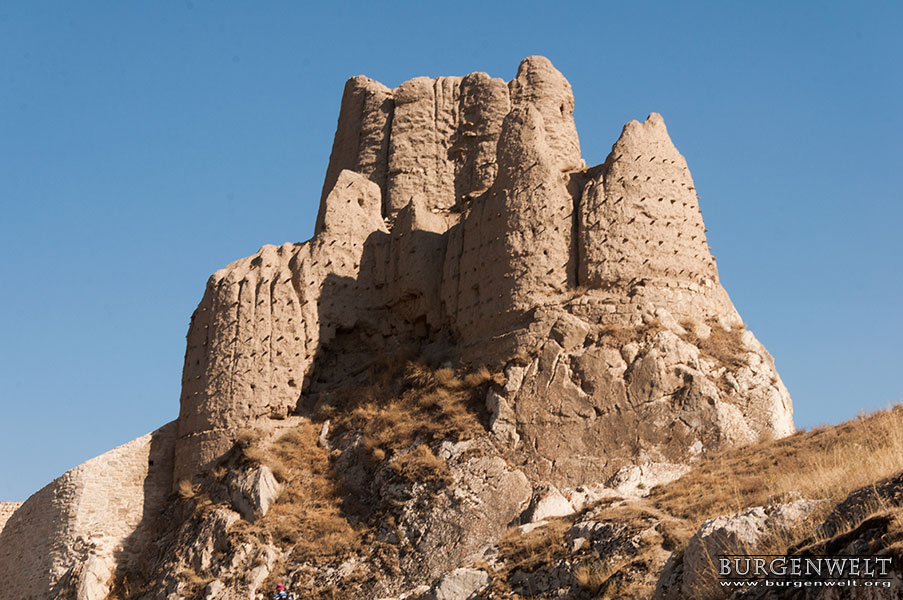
(392, 306)
(126, 495)
(157, 488)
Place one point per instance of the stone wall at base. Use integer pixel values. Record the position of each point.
(6, 511)
(100, 512)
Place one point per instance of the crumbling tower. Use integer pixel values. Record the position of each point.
(457, 214)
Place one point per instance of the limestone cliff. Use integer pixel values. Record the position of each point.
(458, 224)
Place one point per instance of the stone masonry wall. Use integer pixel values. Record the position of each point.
(6, 511)
(430, 139)
(263, 321)
(641, 229)
(97, 513)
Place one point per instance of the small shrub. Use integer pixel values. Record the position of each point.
(445, 377)
(726, 347)
(591, 575)
(193, 581)
(650, 328)
(418, 375)
(187, 489)
(421, 465)
(479, 377)
(526, 551)
(595, 573)
(617, 336)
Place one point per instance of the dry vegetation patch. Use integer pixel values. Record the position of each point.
(624, 566)
(307, 516)
(722, 345)
(400, 416)
(826, 463)
(617, 336)
(531, 550)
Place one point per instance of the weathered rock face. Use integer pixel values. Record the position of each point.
(486, 495)
(253, 492)
(460, 584)
(458, 217)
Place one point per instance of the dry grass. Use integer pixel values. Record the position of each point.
(400, 416)
(193, 582)
(403, 425)
(882, 528)
(421, 465)
(725, 346)
(722, 345)
(186, 489)
(624, 573)
(612, 335)
(594, 573)
(617, 337)
(826, 463)
(528, 551)
(307, 517)
(404, 412)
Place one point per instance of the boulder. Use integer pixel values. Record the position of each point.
(740, 533)
(548, 503)
(253, 492)
(460, 584)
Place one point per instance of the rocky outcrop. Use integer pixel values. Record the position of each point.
(694, 574)
(867, 523)
(253, 492)
(548, 503)
(598, 398)
(485, 496)
(460, 584)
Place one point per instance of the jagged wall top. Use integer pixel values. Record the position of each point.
(435, 139)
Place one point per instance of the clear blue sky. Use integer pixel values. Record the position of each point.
(144, 145)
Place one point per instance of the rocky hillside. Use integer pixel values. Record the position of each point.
(396, 496)
(467, 382)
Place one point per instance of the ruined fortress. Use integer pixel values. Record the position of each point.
(457, 218)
